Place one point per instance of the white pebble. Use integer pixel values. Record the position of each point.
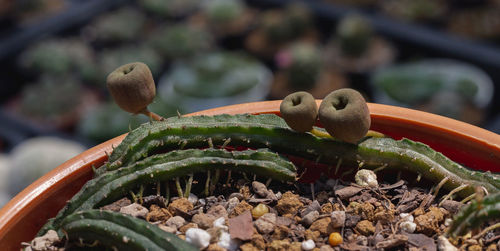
(366, 178)
(408, 226)
(406, 217)
(220, 223)
(308, 245)
(193, 198)
(226, 242)
(198, 237)
(444, 244)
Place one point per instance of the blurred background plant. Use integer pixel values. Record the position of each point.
(56, 55)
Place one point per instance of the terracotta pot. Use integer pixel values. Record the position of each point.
(24, 215)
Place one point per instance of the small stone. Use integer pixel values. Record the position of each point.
(365, 227)
(184, 228)
(150, 200)
(215, 247)
(170, 229)
(258, 241)
(452, 206)
(117, 205)
(428, 223)
(406, 217)
(289, 204)
(217, 211)
(157, 214)
(366, 178)
(231, 204)
(475, 247)
(285, 221)
(260, 189)
(326, 208)
(443, 244)
(45, 241)
(240, 208)
(241, 226)
(181, 204)
(308, 245)
(280, 232)
(278, 245)
(204, 221)
(248, 247)
(265, 224)
(351, 220)
(312, 235)
(310, 218)
(225, 241)
(338, 218)
(198, 237)
(296, 246)
(347, 192)
(193, 198)
(326, 248)
(220, 223)
(314, 206)
(408, 226)
(135, 210)
(392, 241)
(236, 195)
(176, 222)
(322, 225)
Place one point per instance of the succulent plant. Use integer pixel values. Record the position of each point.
(122, 25)
(354, 34)
(478, 23)
(107, 120)
(223, 11)
(414, 10)
(59, 57)
(36, 156)
(170, 8)
(302, 63)
(217, 74)
(112, 58)
(281, 26)
(51, 97)
(181, 40)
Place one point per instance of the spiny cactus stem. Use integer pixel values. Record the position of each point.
(152, 115)
(210, 143)
(158, 189)
(179, 189)
(188, 186)
(461, 187)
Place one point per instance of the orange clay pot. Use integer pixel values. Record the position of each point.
(25, 214)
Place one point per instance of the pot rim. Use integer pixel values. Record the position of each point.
(443, 134)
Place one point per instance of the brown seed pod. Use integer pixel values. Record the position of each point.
(299, 110)
(132, 87)
(345, 115)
